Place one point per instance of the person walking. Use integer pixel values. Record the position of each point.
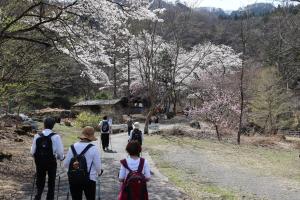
(46, 148)
(105, 129)
(129, 125)
(136, 134)
(134, 174)
(83, 162)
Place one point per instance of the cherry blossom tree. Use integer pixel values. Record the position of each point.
(214, 85)
(155, 58)
(79, 28)
(220, 108)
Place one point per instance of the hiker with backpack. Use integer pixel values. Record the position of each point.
(83, 162)
(46, 148)
(129, 125)
(134, 174)
(105, 129)
(136, 134)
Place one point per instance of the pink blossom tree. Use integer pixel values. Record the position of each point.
(220, 109)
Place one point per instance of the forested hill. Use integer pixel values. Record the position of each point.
(256, 9)
(262, 28)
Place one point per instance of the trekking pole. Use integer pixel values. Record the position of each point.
(99, 190)
(33, 183)
(58, 182)
(68, 194)
(110, 142)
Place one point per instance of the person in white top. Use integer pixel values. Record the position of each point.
(46, 148)
(134, 149)
(105, 130)
(93, 161)
(136, 133)
(134, 174)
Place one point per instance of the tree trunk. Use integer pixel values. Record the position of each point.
(19, 108)
(243, 37)
(115, 69)
(128, 72)
(217, 131)
(175, 103)
(150, 113)
(115, 76)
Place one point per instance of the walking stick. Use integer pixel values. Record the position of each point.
(110, 142)
(33, 183)
(68, 194)
(99, 191)
(58, 183)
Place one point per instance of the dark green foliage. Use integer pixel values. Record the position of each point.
(103, 95)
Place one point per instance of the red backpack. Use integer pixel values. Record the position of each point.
(134, 186)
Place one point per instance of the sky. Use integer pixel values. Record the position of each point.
(224, 4)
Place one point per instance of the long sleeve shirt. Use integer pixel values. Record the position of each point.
(57, 145)
(92, 157)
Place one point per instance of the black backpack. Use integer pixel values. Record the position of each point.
(78, 172)
(44, 151)
(105, 127)
(137, 135)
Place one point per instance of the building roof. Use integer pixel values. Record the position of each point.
(97, 102)
(194, 96)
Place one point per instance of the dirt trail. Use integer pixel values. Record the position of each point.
(159, 188)
(239, 179)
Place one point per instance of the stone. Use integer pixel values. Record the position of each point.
(5, 155)
(20, 132)
(195, 124)
(18, 140)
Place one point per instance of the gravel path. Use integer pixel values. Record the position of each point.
(238, 179)
(159, 188)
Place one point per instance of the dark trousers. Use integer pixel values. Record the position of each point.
(129, 130)
(41, 171)
(105, 140)
(88, 188)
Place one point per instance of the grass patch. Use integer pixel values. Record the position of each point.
(69, 134)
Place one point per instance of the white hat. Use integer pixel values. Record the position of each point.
(136, 125)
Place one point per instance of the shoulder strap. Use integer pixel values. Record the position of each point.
(124, 163)
(51, 134)
(73, 150)
(86, 149)
(141, 165)
(41, 134)
(90, 168)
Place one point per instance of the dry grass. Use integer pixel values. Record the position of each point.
(19, 170)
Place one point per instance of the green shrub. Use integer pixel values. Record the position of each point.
(87, 119)
(103, 95)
